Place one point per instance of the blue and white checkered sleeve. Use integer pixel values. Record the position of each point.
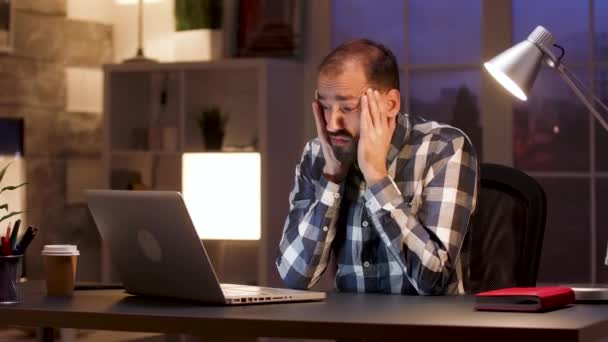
(426, 242)
(310, 226)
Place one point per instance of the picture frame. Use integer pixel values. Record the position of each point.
(7, 23)
(265, 28)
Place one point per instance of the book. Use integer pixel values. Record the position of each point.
(531, 299)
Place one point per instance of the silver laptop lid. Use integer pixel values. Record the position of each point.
(154, 245)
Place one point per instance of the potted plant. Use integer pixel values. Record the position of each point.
(198, 33)
(212, 123)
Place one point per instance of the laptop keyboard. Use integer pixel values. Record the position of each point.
(233, 290)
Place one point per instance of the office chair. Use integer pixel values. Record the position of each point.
(505, 236)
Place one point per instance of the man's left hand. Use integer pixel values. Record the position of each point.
(375, 137)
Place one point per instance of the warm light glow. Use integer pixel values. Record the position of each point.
(556, 129)
(223, 194)
(506, 82)
(134, 2)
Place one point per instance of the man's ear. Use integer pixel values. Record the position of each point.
(393, 100)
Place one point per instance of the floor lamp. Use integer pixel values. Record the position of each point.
(139, 54)
(516, 69)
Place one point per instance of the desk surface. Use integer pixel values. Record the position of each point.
(360, 316)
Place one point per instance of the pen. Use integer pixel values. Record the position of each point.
(13, 239)
(8, 231)
(6, 248)
(25, 241)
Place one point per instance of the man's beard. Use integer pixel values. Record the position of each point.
(345, 154)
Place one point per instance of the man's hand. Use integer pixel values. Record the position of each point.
(334, 170)
(375, 137)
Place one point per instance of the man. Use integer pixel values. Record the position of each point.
(390, 194)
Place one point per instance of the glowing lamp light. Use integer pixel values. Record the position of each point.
(222, 192)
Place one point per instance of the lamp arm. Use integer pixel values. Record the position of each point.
(593, 96)
(563, 71)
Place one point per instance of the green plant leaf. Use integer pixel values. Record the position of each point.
(12, 187)
(197, 14)
(11, 215)
(3, 171)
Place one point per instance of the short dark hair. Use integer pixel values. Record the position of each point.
(378, 61)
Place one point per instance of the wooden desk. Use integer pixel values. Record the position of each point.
(341, 316)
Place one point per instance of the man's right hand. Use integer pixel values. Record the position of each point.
(334, 170)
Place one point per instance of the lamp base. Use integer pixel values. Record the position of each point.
(140, 58)
(590, 292)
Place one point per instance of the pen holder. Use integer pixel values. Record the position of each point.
(9, 291)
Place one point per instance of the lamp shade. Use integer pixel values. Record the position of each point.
(222, 192)
(517, 67)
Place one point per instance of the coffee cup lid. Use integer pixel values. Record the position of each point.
(60, 250)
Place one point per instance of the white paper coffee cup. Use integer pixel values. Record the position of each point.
(60, 264)
(60, 250)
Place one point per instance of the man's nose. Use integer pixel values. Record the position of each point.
(336, 120)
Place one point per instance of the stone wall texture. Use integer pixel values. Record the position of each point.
(33, 87)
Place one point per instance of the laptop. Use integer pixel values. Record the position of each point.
(156, 250)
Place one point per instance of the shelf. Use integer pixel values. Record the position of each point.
(227, 63)
(127, 153)
(151, 120)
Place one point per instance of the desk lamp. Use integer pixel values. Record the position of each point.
(516, 69)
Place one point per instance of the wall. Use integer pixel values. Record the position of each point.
(158, 25)
(54, 81)
(62, 142)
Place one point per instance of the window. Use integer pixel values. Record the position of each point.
(551, 129)
(436, 30)
(443, 78)
(556, 140)
(363, 19)
(439, 80)
(601, 30)
(554, 137)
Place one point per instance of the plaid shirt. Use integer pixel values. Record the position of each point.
(400, 235)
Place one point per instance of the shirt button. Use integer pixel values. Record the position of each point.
(337, 195)
(325, 228)
(366, 264)
(364, 224)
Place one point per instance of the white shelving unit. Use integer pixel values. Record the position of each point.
(150, 120)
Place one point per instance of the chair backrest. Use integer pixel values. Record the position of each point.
(505, 236)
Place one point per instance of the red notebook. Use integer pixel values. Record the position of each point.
(525, 299)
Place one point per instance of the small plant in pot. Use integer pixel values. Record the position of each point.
(212, 123)
(198, 14)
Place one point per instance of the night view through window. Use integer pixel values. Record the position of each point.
(548, 129)
(449, 97)
(439, 48)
